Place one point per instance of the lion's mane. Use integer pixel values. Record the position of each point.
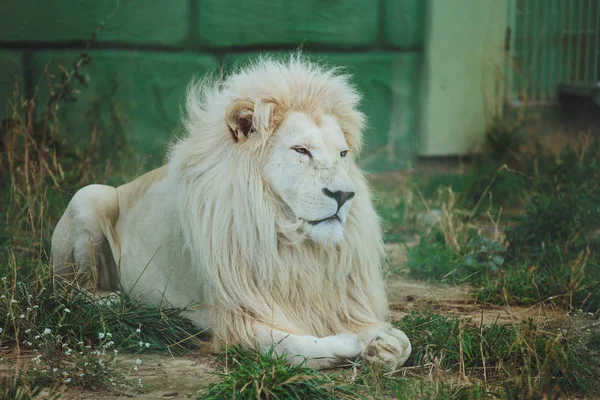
(252, 261)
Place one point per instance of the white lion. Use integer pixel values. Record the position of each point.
(261, 220)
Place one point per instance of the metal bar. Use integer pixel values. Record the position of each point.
(596, 55)
(560, 53)
(545, 64)
(588, 42)
(512, 53)
(569, 34)
(543, 46)
(579, 37)
(532, 51)
(552, 40)
(520, 62)
(539, 44)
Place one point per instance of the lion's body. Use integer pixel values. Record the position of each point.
(207, 231)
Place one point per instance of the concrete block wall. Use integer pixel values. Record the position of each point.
(149, 50)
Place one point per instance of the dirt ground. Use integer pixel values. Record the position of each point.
(168, 377)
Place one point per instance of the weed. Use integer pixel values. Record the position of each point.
(524, 356)
(548, 253)
(16, 387)
(254, 375)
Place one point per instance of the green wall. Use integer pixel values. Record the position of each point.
(150, 49)
(463, 75)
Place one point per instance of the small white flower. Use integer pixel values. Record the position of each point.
(138, 330)
(37, 337)
(34, 307)
(29, 344)
(68, 380)
(138, 361)
(67, 310)
(135, 368)
(28, 309)
(140, 343)
(54, 369)
(28, 330)
(108, 335)
(2, 297)
(47, 331)
(101, 335)
(65, 373)
(22, 316)
(1, 330)
(13, 301)
(147, 345)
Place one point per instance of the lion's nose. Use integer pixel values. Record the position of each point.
(339, 196)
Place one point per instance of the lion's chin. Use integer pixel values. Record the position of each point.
(328, 233)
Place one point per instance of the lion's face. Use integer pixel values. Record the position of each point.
(308, 168)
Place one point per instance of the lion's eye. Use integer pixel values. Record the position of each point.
(302, 150)
(344, 153)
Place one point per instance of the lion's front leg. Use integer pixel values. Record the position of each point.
(386, 346)
(319, 353)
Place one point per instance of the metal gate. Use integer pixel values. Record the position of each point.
(553, 45)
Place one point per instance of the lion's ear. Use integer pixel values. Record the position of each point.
(239, 119)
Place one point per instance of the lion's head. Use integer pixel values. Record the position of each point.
(307, 166)
(303, 123)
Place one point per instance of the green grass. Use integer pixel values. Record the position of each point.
(503, 353)
(16, 387)
(72, 338)
(452, 359)
(549, 251)
(253, 375)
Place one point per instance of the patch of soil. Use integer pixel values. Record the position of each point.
(406, 295)
(162, 377)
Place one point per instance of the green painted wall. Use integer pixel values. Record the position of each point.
(463, 73)
(150, 49)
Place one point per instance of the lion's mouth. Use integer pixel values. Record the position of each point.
(319, 221)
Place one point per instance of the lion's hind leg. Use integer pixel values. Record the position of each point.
(84, 241)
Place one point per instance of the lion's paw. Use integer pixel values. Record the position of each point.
(390, 348)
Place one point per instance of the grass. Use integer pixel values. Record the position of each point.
(544, 250)
(252, 375)
(71, 338)
(452, 358)
(501, 353)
